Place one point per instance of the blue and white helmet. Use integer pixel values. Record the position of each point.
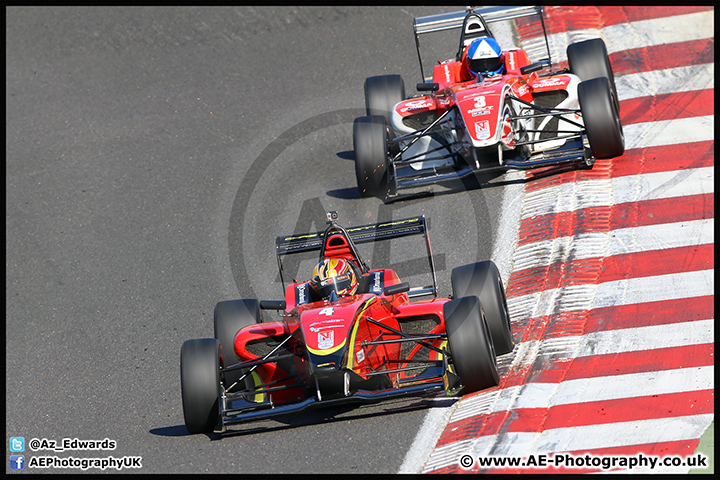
(485, 57)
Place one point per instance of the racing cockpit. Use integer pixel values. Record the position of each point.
(339, 242)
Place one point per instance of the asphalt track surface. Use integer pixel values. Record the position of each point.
(153, 155)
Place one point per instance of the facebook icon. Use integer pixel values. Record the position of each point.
(17, 462)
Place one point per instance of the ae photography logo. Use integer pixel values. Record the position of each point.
(586, 461)
(21, 462)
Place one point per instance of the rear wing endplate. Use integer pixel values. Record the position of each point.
(453, 20)
(297, 243)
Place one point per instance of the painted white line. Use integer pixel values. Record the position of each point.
(620, 292)
(616, 341)
(628, 36)
(655, 186)
(572, 196)
(654, 289)
(443, 457)
(661, 82)
(647, 338)
(545, 395)
(669, 132)
(507, 232)
(622, 386)
(658, 237)
(659, 31)
(615, 242)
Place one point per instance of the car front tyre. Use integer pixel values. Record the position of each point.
(200, 383)
(370, 142)
(601, 118)
(229, 317)
(470, 344)
(483, 280)
(382, 93)
(589, 59)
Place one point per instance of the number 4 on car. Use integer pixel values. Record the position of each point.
(349, 334)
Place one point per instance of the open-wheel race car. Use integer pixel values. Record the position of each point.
(350, 334)
(486, 109)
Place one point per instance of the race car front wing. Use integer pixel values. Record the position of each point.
(402, 177)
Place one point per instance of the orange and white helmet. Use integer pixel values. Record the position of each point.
(334, 275)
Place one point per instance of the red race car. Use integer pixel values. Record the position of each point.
(349, 334)
(487, 109)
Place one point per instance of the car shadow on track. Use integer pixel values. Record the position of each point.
(317, 416)
(480, 180)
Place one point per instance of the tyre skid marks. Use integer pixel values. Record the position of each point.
(622, 36)
(643, 263)
(690, 388)
(663, 158)
(662, 57)
(588, 332)
(675, 211)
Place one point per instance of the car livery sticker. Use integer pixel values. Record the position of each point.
(480, 107)
(510, 60)
(326, 339)
(552, 83)
(414, 106)
(326, 329)
(482, 130)
(301, 294)
(377, 282)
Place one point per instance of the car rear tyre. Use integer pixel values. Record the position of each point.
(589, 59)
(382, 93)
(229, 317)
(483, 280)
(601, 118)
(200, 383)
(471, 345)
(370, 141)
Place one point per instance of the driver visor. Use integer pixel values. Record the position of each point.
(483, 65)
(336, 284)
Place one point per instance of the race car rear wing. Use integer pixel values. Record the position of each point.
(470, 30)
(297, 243)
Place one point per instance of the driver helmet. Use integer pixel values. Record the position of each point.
(334, 275)
(484, 57)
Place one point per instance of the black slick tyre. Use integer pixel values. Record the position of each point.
(229, 317)
(601, 118)
(370, 142)
(200, 383)
(589, 59)
(382, 93)
(470, 344)
(483, 280)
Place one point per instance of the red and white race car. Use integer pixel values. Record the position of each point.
(350, 338)
(486, 109)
